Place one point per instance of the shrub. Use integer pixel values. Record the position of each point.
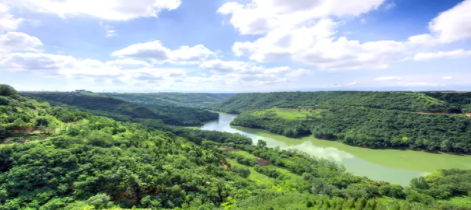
(7, 90)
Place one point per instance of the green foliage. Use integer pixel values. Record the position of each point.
(198, 100)
(380, 100)
(375, 128)
(125, 111)
(82, 161)
(7, 90)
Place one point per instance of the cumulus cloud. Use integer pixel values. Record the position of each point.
(305, 31)
(36, 62)
(448, 78)
(116, 10)
(262, 16)
(16, 41)
(247, 68)
(453, 24)
(7, 21)
(156, 52)
(128, 64)
(442, 54)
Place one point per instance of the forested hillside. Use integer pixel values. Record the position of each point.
(456, 100)
(123, 110)
(370, 119)
(381, 100)
(199, 100)
(60, 157)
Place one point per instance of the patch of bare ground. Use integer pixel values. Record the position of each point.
(263, 162)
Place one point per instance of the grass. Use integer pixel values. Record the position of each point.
(300, 113)
(290, 182)
(254, 175)
(244, 154)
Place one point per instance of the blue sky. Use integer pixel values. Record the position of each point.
(235, 46)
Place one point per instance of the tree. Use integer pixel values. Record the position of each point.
(261, 143)
(99, 201)
(7, 90)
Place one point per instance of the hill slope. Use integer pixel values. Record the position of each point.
(58, 157)
(371, 119)
(120, 109)
(199, 100)
(382, 100)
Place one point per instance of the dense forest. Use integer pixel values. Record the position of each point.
(198, 100)
(123, 110)
(456, 100)
(61, 157)
(407, 101)
(370, 119)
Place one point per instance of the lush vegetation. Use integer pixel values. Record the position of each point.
(372, 119)
(408, 101)
(60, 157)
(199, 100)
(459, 101)
(123, 110)
(369, 127)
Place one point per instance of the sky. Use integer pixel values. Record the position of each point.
(235, 46)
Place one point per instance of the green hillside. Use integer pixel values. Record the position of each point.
(123, 110)
(59, 157)
(199, 100)
(370, 119)
(381, 100)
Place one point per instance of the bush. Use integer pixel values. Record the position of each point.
(7, 90)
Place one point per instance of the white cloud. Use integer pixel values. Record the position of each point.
(219, 66)
(190, 55)
(262, 16)
(388, 79)
(16, 41)
(442, 54)
(448, 78)
(149, 50)
(7, 21)
(304, 31)
(117, 10)
(454, 24)
(156, 52)
(423, 39)
(110, 31)
(240, 67)
(36, 62)
(128, 64)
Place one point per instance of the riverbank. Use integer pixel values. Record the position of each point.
(395, 166)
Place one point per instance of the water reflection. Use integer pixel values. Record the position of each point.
(394, 166)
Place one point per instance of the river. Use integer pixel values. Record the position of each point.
(395, 166)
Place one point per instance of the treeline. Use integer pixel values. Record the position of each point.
(126, 111)
(408, 101)
(375, 128)
(198, 100)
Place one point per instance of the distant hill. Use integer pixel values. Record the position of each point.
(409, 101)
(120, 109)
(199, 100)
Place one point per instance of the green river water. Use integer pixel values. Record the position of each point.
(395, 166)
